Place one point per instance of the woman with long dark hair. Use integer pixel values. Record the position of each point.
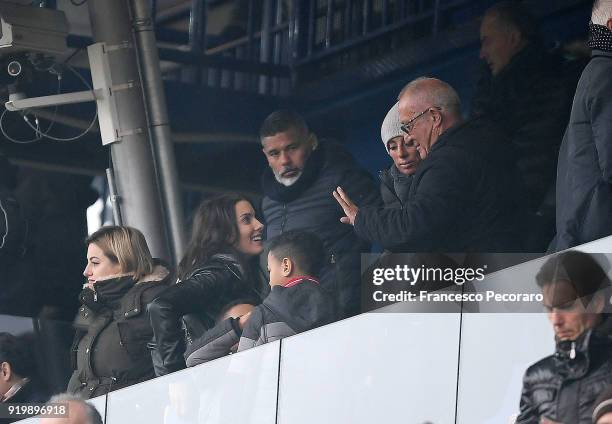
(215, 271)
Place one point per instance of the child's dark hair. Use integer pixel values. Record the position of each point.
(302, 247)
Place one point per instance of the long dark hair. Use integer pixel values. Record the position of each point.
(214, 230)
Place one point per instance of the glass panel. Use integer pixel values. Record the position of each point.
(241, 388)
(496, 349)
(372, 368)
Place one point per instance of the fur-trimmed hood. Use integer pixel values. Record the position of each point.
(159, 273)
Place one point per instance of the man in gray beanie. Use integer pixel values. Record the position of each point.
(395, 181)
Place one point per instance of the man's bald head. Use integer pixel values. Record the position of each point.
(602, 13)
(427, 108)
(79, 411)
(427, 92)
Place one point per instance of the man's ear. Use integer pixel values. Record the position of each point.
(609, 24)
(5, 371)
(314, 141)
(286, 267)
(436, 116)
(597, 303)
(516, 38)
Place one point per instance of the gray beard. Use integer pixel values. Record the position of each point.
(287, 182)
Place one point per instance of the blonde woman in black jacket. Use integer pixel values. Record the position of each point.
(110, 347)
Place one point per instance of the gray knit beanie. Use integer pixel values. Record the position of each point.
(391, 126)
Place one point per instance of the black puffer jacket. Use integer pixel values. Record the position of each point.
(198, 300)
(462, 198)
(563, 387)
(299, 306)
(309, 205)
(110, 348)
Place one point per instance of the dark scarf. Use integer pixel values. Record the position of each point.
(280, 193)
(107, 292)
(600, 37)
(401, 184)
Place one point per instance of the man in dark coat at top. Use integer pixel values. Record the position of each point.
(584, 176)
(528, 93)
(297, 187)
(462, 197)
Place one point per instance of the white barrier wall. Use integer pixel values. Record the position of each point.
(240, 388)
(603, 245)
(374, 368)
(417, 368)
(496, 349)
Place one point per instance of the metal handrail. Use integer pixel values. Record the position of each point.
(332, 49)
(244, 40)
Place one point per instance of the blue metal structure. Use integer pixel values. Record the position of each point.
(340, 62)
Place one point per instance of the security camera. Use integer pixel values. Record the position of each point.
(32, 29)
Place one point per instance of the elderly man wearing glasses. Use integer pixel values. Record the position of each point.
(464, 194)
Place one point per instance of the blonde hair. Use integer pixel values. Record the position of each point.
(125, 246)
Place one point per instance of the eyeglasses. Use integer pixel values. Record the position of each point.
(408, 126)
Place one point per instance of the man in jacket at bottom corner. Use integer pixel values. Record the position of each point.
(562, 388)
(295, 304)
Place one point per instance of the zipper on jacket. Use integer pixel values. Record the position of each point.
(336, 289)
(382, 180)
(572, 353)
(284, 219)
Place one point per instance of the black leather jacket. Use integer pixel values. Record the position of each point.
(563, 387)
(197, 300)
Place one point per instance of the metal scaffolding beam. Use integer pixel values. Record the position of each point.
(159, 124)
(132, 157)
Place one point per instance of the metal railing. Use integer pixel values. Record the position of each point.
(283, 35)
(255, 60)
(336, 25)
